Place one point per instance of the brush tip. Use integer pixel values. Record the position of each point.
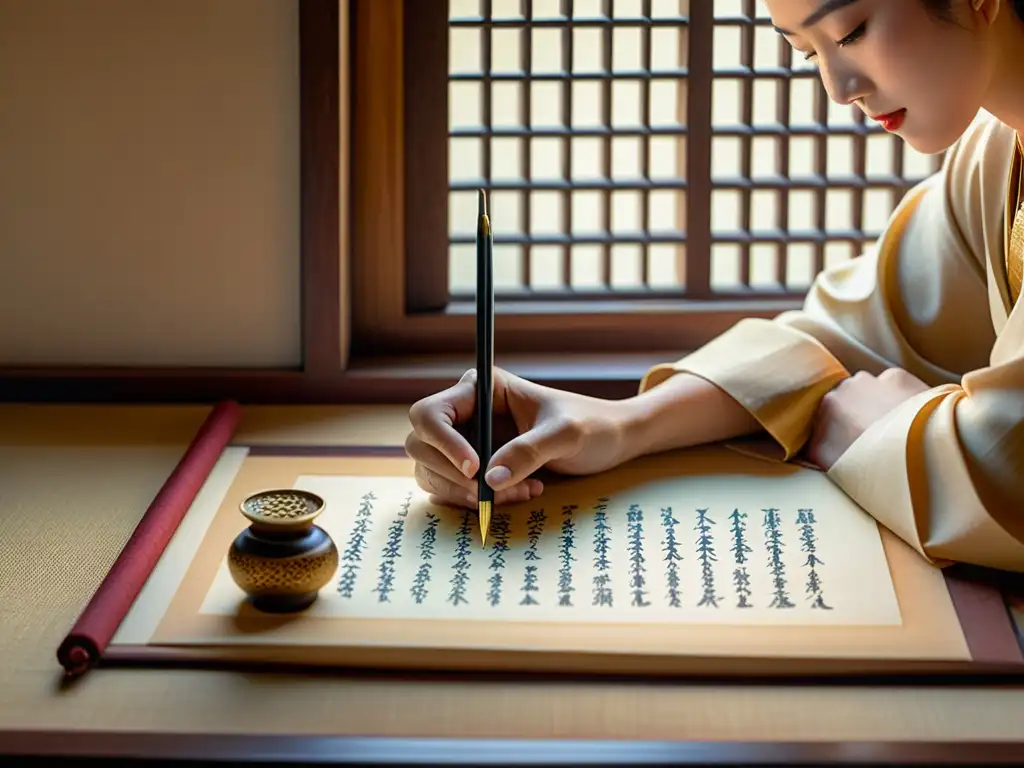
(481, 199)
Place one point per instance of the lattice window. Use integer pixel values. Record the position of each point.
(654, 148)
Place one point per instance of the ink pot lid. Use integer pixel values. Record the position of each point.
(282, 510)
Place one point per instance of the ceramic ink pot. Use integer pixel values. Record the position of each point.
(282, 560)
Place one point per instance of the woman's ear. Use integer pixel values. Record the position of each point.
(989, 9)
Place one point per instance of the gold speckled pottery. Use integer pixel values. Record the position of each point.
(282, 560)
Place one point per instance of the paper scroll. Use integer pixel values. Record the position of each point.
(666, 551)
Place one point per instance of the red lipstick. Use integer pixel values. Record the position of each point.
(893, 120)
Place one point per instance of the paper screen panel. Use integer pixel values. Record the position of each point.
(573, 115)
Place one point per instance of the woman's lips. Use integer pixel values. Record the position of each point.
(892, 120)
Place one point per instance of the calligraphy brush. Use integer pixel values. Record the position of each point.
(484, 359)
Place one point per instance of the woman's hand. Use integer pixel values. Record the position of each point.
(853, 406)
(562, 431)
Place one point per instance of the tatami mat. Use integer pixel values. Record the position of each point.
(74, 481)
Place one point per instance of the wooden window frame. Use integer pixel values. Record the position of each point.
(400, 290)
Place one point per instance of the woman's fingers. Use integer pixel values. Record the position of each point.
(441, 487)
(434, 418)
(522, 491)
(521, 457)
(446, 464)
(444, 492)
(431, 458)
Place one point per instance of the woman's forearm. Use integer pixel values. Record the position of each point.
(683, 411)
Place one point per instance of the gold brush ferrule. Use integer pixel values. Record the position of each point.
(484, 509)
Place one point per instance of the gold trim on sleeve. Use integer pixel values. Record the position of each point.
(1015, 223)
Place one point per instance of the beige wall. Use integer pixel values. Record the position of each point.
(149, 182)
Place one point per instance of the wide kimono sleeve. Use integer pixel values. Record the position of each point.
(945, 470)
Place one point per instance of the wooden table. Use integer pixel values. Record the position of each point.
(74, 481)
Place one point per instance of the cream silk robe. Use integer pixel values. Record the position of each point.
(936, 296)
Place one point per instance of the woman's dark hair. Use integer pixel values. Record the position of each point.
(942, 9)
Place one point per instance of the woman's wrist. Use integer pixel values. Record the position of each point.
(683, 411)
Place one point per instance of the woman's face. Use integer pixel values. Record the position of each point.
(925, 77)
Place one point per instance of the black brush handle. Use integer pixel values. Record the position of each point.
(484, 346)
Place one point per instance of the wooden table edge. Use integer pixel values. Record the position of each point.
(351, 750)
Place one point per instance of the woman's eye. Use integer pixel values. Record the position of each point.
(854, 36)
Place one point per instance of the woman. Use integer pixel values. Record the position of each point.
(903, 374)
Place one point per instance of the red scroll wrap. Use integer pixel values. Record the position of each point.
(88, 639)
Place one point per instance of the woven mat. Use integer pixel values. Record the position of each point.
(73, 482)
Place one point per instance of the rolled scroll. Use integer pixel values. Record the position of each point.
(89, 638)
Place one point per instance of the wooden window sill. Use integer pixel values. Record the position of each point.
(610, 375)
(400, 379)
